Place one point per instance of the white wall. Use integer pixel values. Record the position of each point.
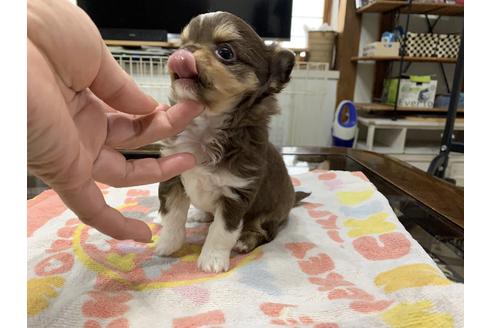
(304, 13)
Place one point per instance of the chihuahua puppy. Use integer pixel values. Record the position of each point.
(240, 181)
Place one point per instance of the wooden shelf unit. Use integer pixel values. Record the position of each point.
(405, 58)
(387, 108)
(413, 141)
(384, 6)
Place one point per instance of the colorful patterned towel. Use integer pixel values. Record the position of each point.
(343, 260)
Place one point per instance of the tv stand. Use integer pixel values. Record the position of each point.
(121, 43)
(138, 50)
(128, 47)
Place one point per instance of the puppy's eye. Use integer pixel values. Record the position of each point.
(225, 53)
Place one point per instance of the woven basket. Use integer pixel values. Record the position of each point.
(321, 45)
(421, 44)
(448, 45)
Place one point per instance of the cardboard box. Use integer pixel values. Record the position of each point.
(415, 91)
(386, 49)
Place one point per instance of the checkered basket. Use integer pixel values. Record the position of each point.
(421, 44)
(448, 45)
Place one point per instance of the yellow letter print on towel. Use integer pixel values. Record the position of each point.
(417, 315)
(408, 276)
(39, 290)
(125, 263)
(375, 224)
(188, 253)
(352, 198)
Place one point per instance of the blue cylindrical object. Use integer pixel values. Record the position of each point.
(345, 124)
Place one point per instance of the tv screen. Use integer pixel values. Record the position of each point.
(270, 18)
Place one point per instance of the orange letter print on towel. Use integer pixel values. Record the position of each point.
(317, 264)
(334, 283)
(291, 315)
(395, 245)
(106, 304)
(208, 318)
(55, 264)
(299, 249)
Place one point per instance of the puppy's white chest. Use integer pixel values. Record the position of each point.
(205, 186)
(198, 138)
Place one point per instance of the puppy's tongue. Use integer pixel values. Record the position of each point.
(183, 64)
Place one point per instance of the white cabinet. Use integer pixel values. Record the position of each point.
(307, 107)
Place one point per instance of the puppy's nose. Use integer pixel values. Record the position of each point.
(183, 63)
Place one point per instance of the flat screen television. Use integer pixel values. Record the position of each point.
(151, 20)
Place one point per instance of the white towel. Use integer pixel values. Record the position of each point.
(343, 260)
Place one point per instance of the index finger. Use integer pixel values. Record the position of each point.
(126, 132)
(87, 202)
(117, 89)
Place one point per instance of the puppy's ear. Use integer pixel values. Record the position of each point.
(281, 64)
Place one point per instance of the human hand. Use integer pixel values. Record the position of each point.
(73, 85)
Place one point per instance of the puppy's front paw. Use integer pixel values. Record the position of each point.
(170, 241)
(213, 261)
(242, 247)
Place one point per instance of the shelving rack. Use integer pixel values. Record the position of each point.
(408, 8)
(389, 108)
(439, 163)
(384, 6)
(405, 58)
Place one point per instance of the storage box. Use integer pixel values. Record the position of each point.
(362, 3)
(390, 49)
(432, 45)
(442, 101)
(415, 91)
(421, 44)
(321, 45)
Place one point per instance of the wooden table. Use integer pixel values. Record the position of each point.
(431, 209)
(440, 196)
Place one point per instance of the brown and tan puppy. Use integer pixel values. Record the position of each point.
(241, 181)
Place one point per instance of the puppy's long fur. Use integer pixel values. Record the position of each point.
(241, 180)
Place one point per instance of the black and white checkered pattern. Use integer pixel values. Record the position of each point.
(421, 44)
(448, 45)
